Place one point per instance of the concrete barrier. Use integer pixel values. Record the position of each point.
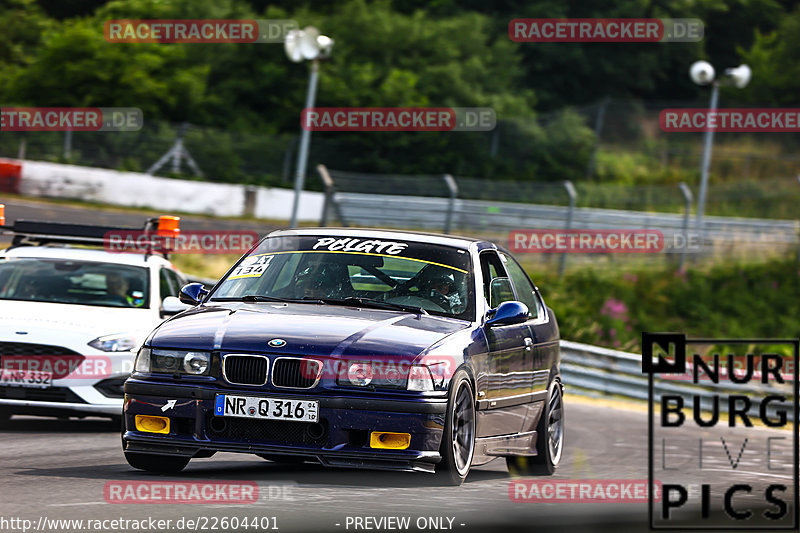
(135, 189)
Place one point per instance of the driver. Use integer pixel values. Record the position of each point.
(323, 280)
(442, 291)
(117, 285)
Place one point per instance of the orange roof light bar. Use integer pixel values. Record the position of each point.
(168, 226)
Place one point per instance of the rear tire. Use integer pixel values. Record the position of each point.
(549, 439)
(458, 439)
(162, 464)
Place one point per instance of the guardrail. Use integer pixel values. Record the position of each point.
(359, 209)
(601, 372)
(433, 203)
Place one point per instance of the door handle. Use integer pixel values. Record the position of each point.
(528, 343)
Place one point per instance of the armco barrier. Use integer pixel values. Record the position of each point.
(601, 372)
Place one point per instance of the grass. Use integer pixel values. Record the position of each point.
(733, 300)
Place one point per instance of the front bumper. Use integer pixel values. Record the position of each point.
(341, 438)
(39, 408)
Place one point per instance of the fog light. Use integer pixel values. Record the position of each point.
(152, 424)
(389, 441)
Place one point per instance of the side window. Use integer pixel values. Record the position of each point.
(165, 284)
(523, 285)
(176, 280)
(499, 291)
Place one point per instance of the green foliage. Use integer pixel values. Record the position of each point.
(730, 301)
(393, 53)
(773, 59)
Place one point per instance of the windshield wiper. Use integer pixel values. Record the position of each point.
(253, 298)
(377, 304)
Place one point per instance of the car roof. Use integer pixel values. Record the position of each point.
(84, 254)
(367, 233)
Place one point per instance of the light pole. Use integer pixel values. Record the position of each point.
(306, 44)
(702, 73)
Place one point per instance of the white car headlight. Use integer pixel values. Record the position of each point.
(118, 342)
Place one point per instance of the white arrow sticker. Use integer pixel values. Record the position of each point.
(169, 405)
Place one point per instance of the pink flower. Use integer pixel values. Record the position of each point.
(633, 278)
(614, 308)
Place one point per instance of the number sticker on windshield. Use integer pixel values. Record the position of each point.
(252, 267)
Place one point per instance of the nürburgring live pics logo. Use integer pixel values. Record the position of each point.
(723, 444)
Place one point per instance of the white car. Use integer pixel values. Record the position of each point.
(71, 322)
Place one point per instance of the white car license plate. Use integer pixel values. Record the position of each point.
(266, 408)
(25, 378)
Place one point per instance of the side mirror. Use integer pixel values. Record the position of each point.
(172, 306)
(508, 313)
(193, 293)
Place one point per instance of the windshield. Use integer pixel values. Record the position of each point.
(429, 277)
(73, 282)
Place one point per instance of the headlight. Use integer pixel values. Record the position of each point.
(173, 362)
(380, 374)
(196, 363)
(117, 342)
(420, 378)
(142, 363)
(359, 373)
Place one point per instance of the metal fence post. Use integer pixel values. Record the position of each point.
(287, 160)
(67, 144)
(330, 201)
(562, 265)
(451, 205)
(327, 181)
(598, 129)
(687, 197)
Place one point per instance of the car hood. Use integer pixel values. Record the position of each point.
(307, 329)
(23, 321)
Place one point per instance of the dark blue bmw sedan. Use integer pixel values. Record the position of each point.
(355, 348)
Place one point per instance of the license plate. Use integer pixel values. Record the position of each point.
(24, 378)
(266, 408)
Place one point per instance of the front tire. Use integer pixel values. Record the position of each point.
(549, 439)
(458, 439)
(161, 464)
